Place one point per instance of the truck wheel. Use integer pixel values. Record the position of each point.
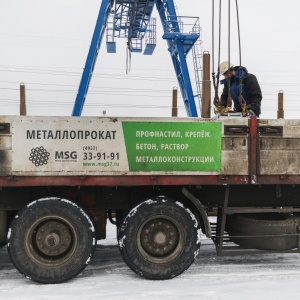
(159, 238)
(51, 240)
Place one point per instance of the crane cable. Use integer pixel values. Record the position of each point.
(128, 56)
(241, 98)
(216, 78)
(229, 101)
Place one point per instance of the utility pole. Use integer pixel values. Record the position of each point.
(174, 102)
(22, 99)
(280, 112)
(206, 86)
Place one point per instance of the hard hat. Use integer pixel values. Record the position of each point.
(224, 66)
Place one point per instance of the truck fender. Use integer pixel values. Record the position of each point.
(201, 210)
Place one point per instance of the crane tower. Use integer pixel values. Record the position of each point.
(131, 19)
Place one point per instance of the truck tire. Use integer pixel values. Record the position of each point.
(264, 231)
(159, 238)
(51, 240)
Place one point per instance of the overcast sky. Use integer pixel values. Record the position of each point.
(44, 44)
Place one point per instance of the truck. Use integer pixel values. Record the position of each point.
(164, 183)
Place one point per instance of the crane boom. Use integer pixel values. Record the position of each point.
(92, 56)
(131, 20)
(179, 44)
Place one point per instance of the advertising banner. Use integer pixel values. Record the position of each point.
(97, 146)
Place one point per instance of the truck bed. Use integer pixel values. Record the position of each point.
(124, 151)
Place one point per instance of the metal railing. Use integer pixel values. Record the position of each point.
(182, 24)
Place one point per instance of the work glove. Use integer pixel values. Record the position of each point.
(217, 109)
(220, 109)
(216, 101)
(255, 109)
(251, 113)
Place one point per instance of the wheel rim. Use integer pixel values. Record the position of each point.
(51, 240)
(160, 239)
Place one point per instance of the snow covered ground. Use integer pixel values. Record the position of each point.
(272, 276)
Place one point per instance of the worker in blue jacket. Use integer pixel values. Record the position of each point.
(244, 90)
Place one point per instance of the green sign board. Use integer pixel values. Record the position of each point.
(173, 146)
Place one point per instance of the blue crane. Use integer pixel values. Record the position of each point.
(132, 19)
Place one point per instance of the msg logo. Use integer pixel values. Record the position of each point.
(65, 155)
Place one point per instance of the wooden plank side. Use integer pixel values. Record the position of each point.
(5, 154)
(283, 162)
(280, 154)
(234, 151)
(235, 155)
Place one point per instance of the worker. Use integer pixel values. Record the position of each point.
(246, 99)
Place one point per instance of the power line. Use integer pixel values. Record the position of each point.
(110, 91)
(43, 37)
(95, 75)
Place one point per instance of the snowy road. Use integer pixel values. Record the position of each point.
(273, 276)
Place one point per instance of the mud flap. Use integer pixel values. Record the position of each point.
(206, 228)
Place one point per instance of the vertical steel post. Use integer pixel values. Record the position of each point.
(280, 112)
(22, 99)
(174, 102)
(253, 160)
(221, 222)
(206, 86)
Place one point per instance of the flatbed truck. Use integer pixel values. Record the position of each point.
(164, 182)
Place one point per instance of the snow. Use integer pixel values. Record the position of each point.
(268, 276)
